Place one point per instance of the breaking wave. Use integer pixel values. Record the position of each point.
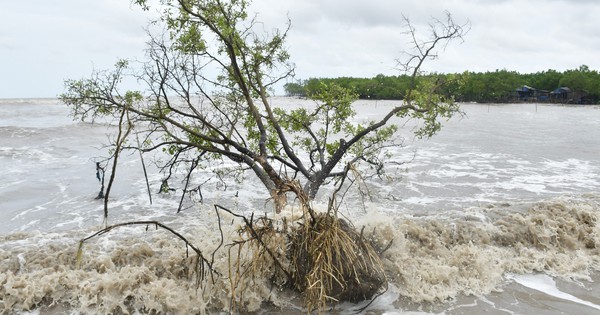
(431, 260)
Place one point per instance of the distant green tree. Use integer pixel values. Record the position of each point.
(546, 80)
(294, 89)
(583, 80)
(578, 79)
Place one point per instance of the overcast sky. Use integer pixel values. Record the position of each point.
(44, 42)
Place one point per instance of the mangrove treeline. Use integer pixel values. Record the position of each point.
(484, 87)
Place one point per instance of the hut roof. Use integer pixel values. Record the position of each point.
(525, 88)
(561, 90)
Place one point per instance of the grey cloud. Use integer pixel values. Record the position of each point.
(328, 37)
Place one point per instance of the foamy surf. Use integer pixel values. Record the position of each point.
(432, 261)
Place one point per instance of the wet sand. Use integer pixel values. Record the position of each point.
(518, 299)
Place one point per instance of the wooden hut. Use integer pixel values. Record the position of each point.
(526, 93)
(561, 95)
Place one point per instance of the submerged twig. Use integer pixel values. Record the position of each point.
(144, 168)
(187, 179)
(100, 176)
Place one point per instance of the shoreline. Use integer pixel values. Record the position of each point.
(25, 100)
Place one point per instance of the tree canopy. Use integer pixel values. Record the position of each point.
(196, 118)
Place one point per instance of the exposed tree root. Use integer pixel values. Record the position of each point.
(326, 260)
(332, 262)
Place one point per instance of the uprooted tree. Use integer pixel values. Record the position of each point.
(207, 80)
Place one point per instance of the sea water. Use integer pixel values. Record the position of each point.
(497, 213)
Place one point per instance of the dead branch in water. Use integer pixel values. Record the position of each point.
(203, 266)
